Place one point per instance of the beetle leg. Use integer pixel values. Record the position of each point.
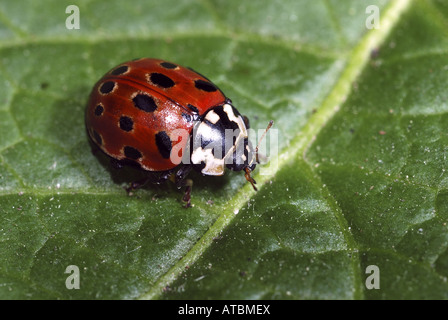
(137, 184)
(187, 194)
(116, 164)
(165, 175)
(161, 178)
(181, 174)
(249, 178)
(187, 183)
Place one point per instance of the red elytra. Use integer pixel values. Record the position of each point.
(138, 101)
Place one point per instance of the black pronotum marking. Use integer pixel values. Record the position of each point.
(97, 137)
(209, 132)
(144, 102)
(120, 70)
(224, 121)
(107, 87)
(161, 80)
(168, 65)
(132, 153)
(99, 109)
(205, 85)
(126, 123)
(163, 143)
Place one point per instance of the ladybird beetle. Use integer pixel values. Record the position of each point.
(168, 119)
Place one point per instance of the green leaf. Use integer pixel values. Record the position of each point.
(359, 179)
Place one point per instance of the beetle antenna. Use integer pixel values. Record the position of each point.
(262, 136)
(247, 169)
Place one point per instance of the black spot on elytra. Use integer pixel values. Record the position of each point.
(120, 70)
(126, 123)
(97, 137)
(205, 85)
(144, 102)
(161, 80)
(163, 143)
(99, 109)
(107, 87)
(168, 65)
(132, 153)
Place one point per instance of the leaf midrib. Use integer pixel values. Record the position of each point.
(297, 149)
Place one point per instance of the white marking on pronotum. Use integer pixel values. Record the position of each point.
(238, 120)
(212, 116)
(242, 135)
(204, 129)
(213, 166)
